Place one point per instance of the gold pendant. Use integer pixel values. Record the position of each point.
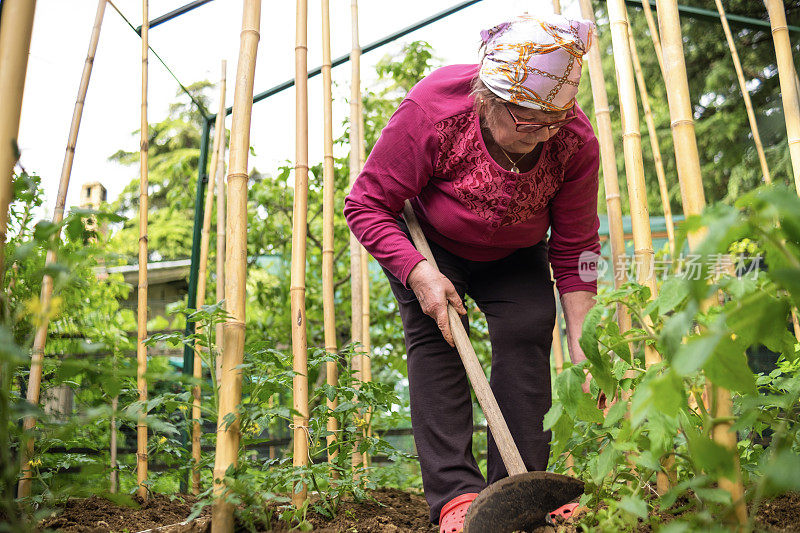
(514, 169)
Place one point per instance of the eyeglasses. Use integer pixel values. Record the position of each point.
(526, 126)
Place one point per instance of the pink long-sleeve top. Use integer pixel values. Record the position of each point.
(432, 152)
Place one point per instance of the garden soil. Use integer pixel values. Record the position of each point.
(393, 511)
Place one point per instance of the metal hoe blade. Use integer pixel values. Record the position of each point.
(520, 503)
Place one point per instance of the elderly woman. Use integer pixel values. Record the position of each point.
(491, 156)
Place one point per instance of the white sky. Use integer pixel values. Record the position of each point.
(193, 46)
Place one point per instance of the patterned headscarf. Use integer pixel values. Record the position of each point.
(536, 62)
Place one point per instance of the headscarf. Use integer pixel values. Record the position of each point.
(536, 62)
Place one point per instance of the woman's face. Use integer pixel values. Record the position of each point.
(504, 131)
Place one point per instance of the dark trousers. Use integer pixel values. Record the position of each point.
(516, 295)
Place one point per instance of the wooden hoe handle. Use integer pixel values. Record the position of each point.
(502, 436)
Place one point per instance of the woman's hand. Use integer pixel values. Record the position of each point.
(434, 291)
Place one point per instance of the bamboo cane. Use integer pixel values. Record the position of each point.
(16, 26)
(141, 349)
(40, 339)
(762, 159)
(220, 182)
(790, 88)
(609, 163)
(202, 279)
(328, 208)
(356, 289)
(366, 358)
(114, 479)
(651, 24)
(688, 161)
(654, 145)
(230, 392)
(786, 73)
(299, 229)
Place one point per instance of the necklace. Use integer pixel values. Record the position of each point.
(514, 167)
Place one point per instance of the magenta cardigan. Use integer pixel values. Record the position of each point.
(432, 152)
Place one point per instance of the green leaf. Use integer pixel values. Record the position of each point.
(783, 470)
(587, 409)
(693, 354)
(728, 368)
(634, 505)
(601, 366)
(552, 416)
(707, 455)
(603, 464)
(668, 396)
(615, 413)
(672, 294)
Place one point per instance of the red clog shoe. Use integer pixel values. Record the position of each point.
(565, 511)
(451, 519)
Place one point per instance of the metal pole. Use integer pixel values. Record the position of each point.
(173, 14)
(712, 16)
(191, 304)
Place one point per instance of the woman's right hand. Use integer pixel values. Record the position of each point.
(434, 291)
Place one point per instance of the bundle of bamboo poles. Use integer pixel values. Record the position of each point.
(230, 391)
(609, 165)
(634, 171)
(40, 339)
(328, 209)
(197, 370)
(299, 230)
(686, 155)
(654, 144)
(141, 349)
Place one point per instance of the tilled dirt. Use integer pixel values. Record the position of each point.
(781, 515)
(394, 511)
(99, 515)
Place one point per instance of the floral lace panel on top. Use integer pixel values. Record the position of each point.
(501, 197)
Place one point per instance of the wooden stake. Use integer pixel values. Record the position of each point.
(202, 279)
(688, 161)
(356, 298)
(787, 75)
(328, 209)
(654, 145)
(609, 162)
(40, 339)
(762, 159)
(16, 26)
(299, 229)
(230, 393)
(141, 349)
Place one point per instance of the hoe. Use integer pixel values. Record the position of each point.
(522, 501)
